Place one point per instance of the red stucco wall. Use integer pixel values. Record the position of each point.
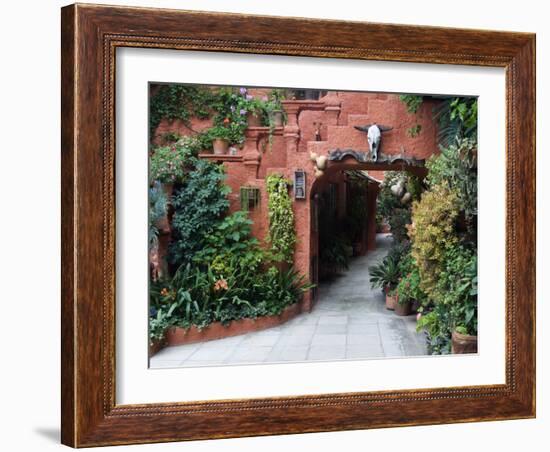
(337, 113)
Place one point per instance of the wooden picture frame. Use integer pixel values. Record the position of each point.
(90, 36)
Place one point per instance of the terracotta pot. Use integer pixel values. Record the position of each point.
(253, 121)
(277, 117)
(391, 300)
(221, 147)
(463, 343)
(403, 309)
(414, 306)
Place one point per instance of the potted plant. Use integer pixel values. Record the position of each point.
(220, 137)
(385, 275)
(462, 341)
(410, 295)
(402, 306)
(251, 106)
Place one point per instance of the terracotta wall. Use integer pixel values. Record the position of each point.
(337, 112)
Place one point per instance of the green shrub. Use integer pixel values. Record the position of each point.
(198, 207)
(169, 164)
(230, 240)
(432, 232)
(456, 167)
(399, 219)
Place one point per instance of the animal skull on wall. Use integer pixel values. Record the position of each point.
(374, 136)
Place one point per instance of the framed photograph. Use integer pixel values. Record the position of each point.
(281, 225)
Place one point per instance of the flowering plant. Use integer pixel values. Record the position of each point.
(168, 163)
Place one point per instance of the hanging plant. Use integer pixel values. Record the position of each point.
(282, 235)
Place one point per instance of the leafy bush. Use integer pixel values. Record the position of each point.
(408, 287)
(198, 206)
(230, 241)
(457, 288)
(282, 235)
(456, 167)
(169, 164)
(399, 220)
(432, 233)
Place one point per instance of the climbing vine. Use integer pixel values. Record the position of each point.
(179, 102)
(282, 235)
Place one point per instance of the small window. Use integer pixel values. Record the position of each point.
(250, 198)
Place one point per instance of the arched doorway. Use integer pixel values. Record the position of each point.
(344, 198)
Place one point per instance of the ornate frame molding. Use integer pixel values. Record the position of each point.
(90, 37)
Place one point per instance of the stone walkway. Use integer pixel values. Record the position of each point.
(349, 321)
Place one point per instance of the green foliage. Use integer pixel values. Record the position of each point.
(399, 219)
(412, 102)
(335, 253)
(221, 133)
(414, 131)
(385, 275)
(437, 324)
(282, 235)
(408, 288)
(179, 102)
(157, 210)
(457, 118)
(198, 296)
(198, 204)
(230, 242)
(456, 167)
(169, 164)
(457, 288)
(432, 233)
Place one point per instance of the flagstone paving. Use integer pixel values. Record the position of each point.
(349, 321)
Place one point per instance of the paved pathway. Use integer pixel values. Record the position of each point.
(349, 321)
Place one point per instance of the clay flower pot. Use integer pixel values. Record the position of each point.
(403, 309)
(463, 343)
(277, 118)
(253, 120)
(221, 147)
(391, 300)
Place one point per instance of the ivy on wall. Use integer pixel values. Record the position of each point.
(179, 102)
(282, 235)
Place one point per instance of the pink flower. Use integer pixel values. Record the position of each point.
(418, 316)
(220, 284)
